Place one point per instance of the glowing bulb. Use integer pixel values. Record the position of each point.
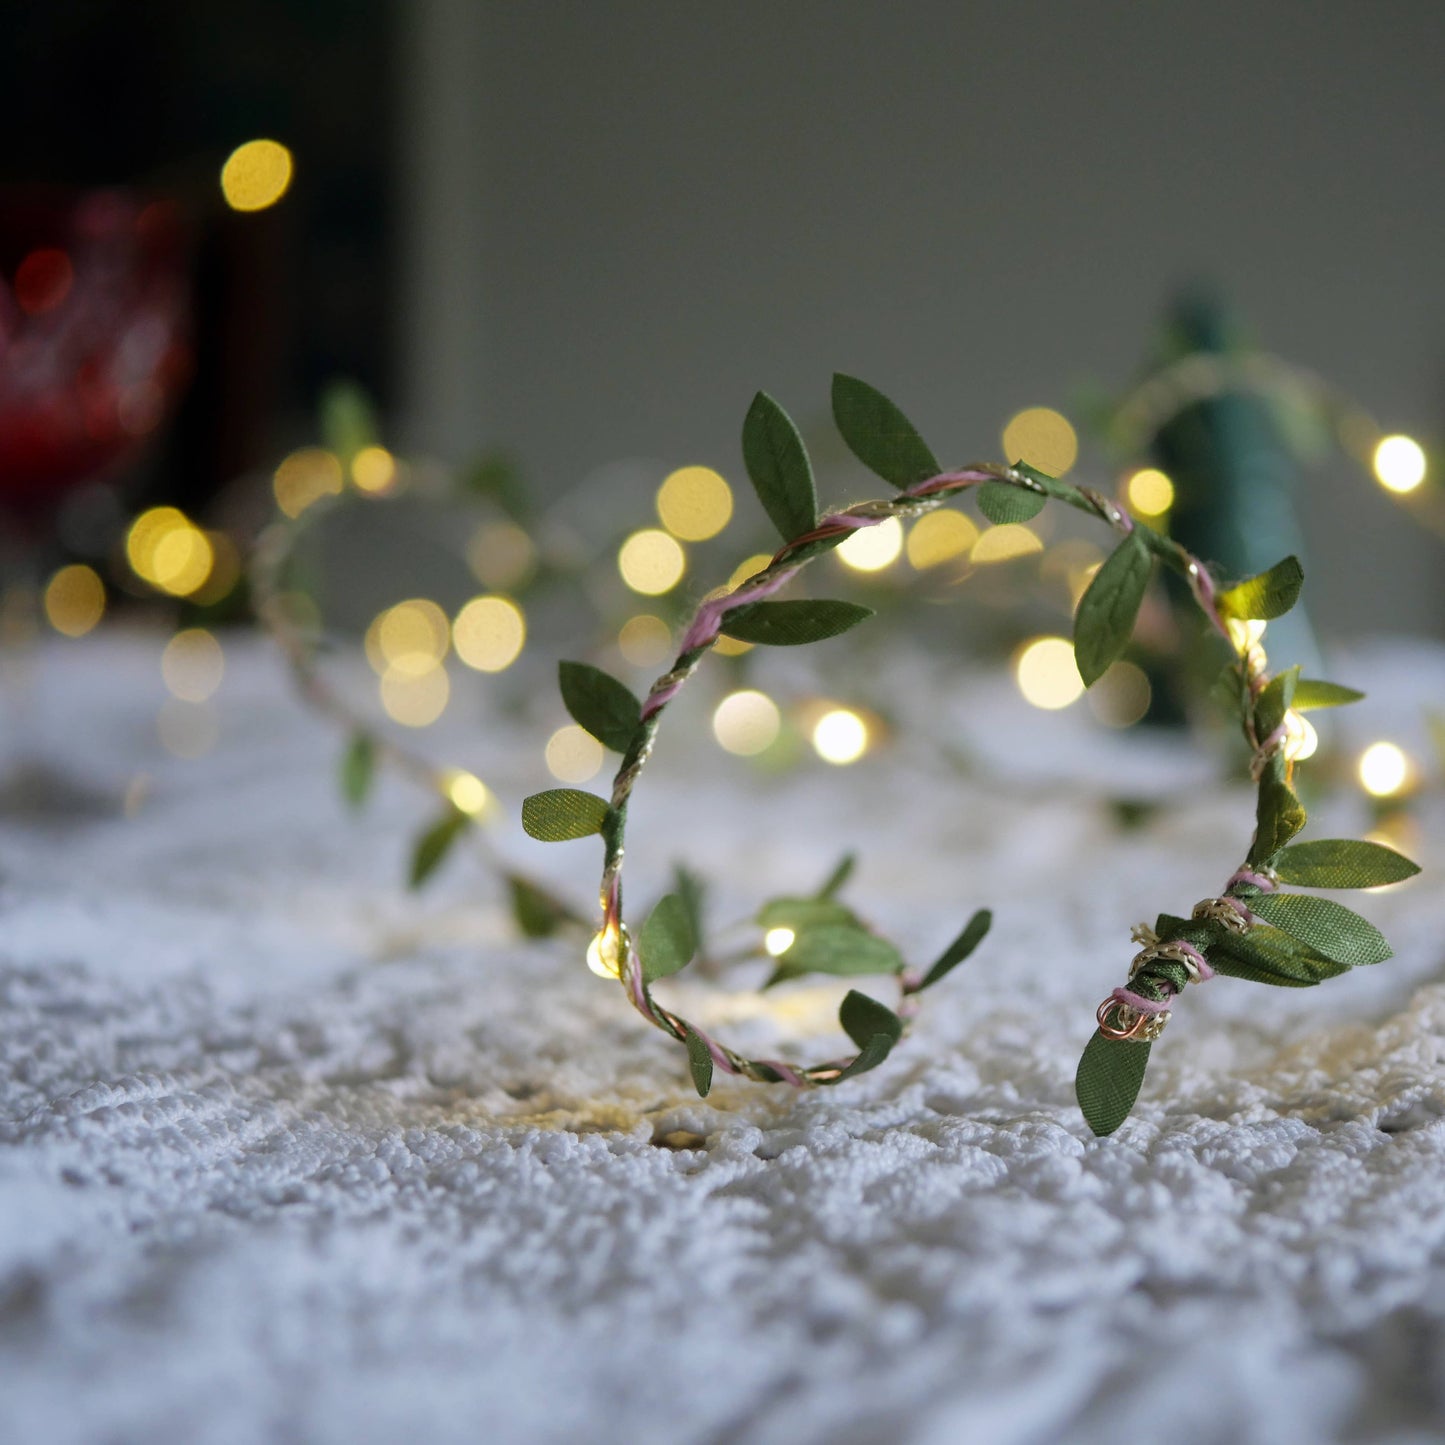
(373, 469)
(651, 562)
(1043, 438)
(939, 537)
(695, 503)
(415, 699)
(1400, 464)
(1384, 770)
(1245, 634)
(489, 633)
(1150, 492)
(305, 477)
(74, 600)
(192, 665)
(778, 940)
(645, 640)
(602, 954)
(840, 736)
(1047, 674)
(1301, 741)
(573, 755)
(413, 636)
(871, 549)
(256, 175)
(467, 792)
(746, 722)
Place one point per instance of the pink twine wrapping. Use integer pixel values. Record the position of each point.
(1196, 958)
(849, 522)
(1202, 585)
(1139, 1003)
(1255, 880)
(946, 479)
(785, 1072)
(715, 1049)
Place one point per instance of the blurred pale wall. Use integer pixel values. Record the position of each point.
(626, 217)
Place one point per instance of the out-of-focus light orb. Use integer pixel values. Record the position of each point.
(1047, 674)
(840, 736)
(1043, 438)
(746, 722)
(74, 600)
(1384, 770)
(749, 567)
(731, 647)
(651, 562)
(1121, 697)
(225, 570)
(43, 280)
(411, 637)
(193, 665)
(695, 503)
(1004, 543)
(1150, 492)
(871, 549)
(166, 549)
(305, 477)
(467, 792)
(256, 175)
(373, 469)
(415, 699)
(489, 633)
(1301, 741)
(779, 940)
(645, 640)
(1400, 463)
(187, 729)
(939, 537)
(573, 755)
(603, 955)
(501, 555)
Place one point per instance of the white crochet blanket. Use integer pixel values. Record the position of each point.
(289, 1155)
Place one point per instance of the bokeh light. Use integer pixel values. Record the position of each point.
(1043, 438)
(1046, 673)
(779, 940)
(166, 549)
(305, 477)
(193, 665)
(411, 637)
(256, 175)
(1400, 463)
(645, 640)
(467, 792)
(1121, 697)
(573, 755)
(1005, 543)
(840, 736)
(1150, 492)
(373, 469)
(748, 567)
(939, 537)
(415, 699)
(651, 562)
(489, 633)
(871, 549)
(746, 722)
(1384, 769)
(501, 555)
(74, 600)
(225, 570)
(695, 503)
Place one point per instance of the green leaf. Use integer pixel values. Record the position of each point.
(693, 891)
(863, 1018)
(358, 768)
(777, 462)
(1225, 691)
(666, 943)
(1274, 701)
(1327, 927)
(1311, 692)
(699, 1060)
(563, 813)
(1105, 618)
(836, 948)
(879, 435)
(1342, 863)
(1108, 1080)
(801, 913)
(435, 843)
(536, 913)
(1048, 484)
(348, 420)
(1002, 502)
(869, 1057)
(790, 624)
(1266, 955)
(1278, 817)
(1271, 594)
(839, 876)
(599, 703)
(972, 935)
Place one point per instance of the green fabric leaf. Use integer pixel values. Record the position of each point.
(1002, 502)
(435, 843)
(879, 435)
(840, 949)
(699, 1061)
(1274, 701)
(790, 624)
(1108, 1080)
(1278, 816)
(599, 703)
(536, 913)
(777, 461)
(801, 913)
(1050, 485)
(1225, 690)
(563, 813)
(1265, 955)
(666, 943)
(1342, 863)
(1325, 926)
(358, 768)
(1311, 692)
(1105, 617)
(690, 887)
(348, 420)
(972, 935)
(869, 1057)
(1271, 594)
(839, 876)
(863, 1018)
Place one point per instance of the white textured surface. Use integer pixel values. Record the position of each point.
(288, 1156)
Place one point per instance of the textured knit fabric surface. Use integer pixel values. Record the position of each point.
(287, 1154)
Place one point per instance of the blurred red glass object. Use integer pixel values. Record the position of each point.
(93, 336)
